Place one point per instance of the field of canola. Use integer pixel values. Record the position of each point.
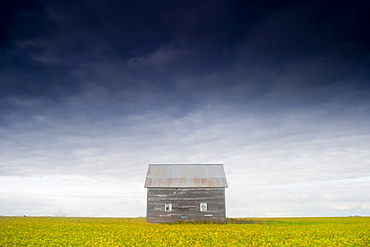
(53, 231)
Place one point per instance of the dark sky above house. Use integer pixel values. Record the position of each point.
(278, 91)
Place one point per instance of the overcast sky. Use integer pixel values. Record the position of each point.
(91, 92)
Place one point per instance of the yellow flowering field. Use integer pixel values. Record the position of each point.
(53, 231)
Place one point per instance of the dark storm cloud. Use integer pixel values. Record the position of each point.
(232, 51)
(46, 43)
(278, 91)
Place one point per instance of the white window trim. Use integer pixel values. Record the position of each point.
(203, 207)
(168, 207)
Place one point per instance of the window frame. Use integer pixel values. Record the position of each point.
(203, 207)
(168, 207)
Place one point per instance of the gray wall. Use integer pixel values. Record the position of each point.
(185, 204)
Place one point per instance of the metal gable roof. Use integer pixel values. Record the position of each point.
(185, 175)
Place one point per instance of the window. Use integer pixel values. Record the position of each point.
(203, 207)
(168, 207)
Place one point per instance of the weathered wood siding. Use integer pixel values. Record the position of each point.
(185, 204)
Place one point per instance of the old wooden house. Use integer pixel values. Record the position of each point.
(185, 192)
